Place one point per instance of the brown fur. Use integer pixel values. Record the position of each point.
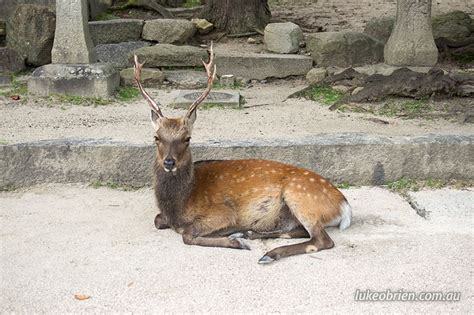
(215, 203)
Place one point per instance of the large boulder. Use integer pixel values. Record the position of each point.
(454, 25)
(283, 38)
(117, 54)
(115, 31)
(10, 60)
(168, 31)
(30, 31)
(149, 77)
(167, 55)
(316, 75)
(344, 49)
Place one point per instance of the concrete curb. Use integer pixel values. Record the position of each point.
(358, 159)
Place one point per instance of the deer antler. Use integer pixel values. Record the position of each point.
(211, 75)
(138, 71)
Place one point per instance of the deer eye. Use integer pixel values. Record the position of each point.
(157, 139)
(187, 139)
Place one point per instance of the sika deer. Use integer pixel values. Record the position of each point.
(217, 203)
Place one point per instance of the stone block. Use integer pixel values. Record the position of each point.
(167, 55)
(262, 66)
(10, 60)
(115, 31)
(149, 77)
(117, 54)
(283, 38)
(344, 49)
(30, 32)
(168, 31)
(86, 80)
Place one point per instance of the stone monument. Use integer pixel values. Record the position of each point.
(74, 70)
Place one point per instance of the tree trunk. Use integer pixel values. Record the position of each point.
(237, 16)
(411, 42)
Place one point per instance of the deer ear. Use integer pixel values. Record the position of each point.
(154, 118)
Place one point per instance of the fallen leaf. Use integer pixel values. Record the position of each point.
(81, 297)
(15, 97)
(130, 284)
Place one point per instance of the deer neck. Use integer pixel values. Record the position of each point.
(172, 191)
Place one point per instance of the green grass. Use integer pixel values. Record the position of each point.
(343, 185)
(79, 100)
(17, 88)
(191, 3)
(110, 184)
(123, 94)
(127, 93)
(323, 94)
(465, 58)
(411, 108)
(106, 16)
(404, 185)
(3, 142)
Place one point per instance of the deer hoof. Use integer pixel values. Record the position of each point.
(236, 235)
(241, 244)
(265, 260)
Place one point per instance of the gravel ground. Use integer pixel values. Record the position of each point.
(266, 116)
(58, 241)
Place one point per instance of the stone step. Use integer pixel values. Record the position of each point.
(359, 159)
(262, 66)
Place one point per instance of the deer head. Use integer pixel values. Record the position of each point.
(172, 135)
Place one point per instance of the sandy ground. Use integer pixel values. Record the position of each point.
(61, 240)
(266, 116)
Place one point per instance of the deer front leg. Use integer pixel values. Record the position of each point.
(195, 236)
(160, 222)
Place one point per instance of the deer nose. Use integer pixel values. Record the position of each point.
(169, 163)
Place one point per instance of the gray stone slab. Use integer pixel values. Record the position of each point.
(86, 80)
(72, 39)
(117, 54)
(168, 55)
(261, 66)
(187, 79)
(215, 99)
(357, 159)
(115, 31)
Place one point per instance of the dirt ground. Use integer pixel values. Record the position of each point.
(267, 114)
(62, 241)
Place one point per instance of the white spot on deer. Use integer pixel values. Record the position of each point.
(273, 171)
(308, 195)
(322, 180)
(325, 190)
(312, 179)
(298, 186)
(306, 173)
